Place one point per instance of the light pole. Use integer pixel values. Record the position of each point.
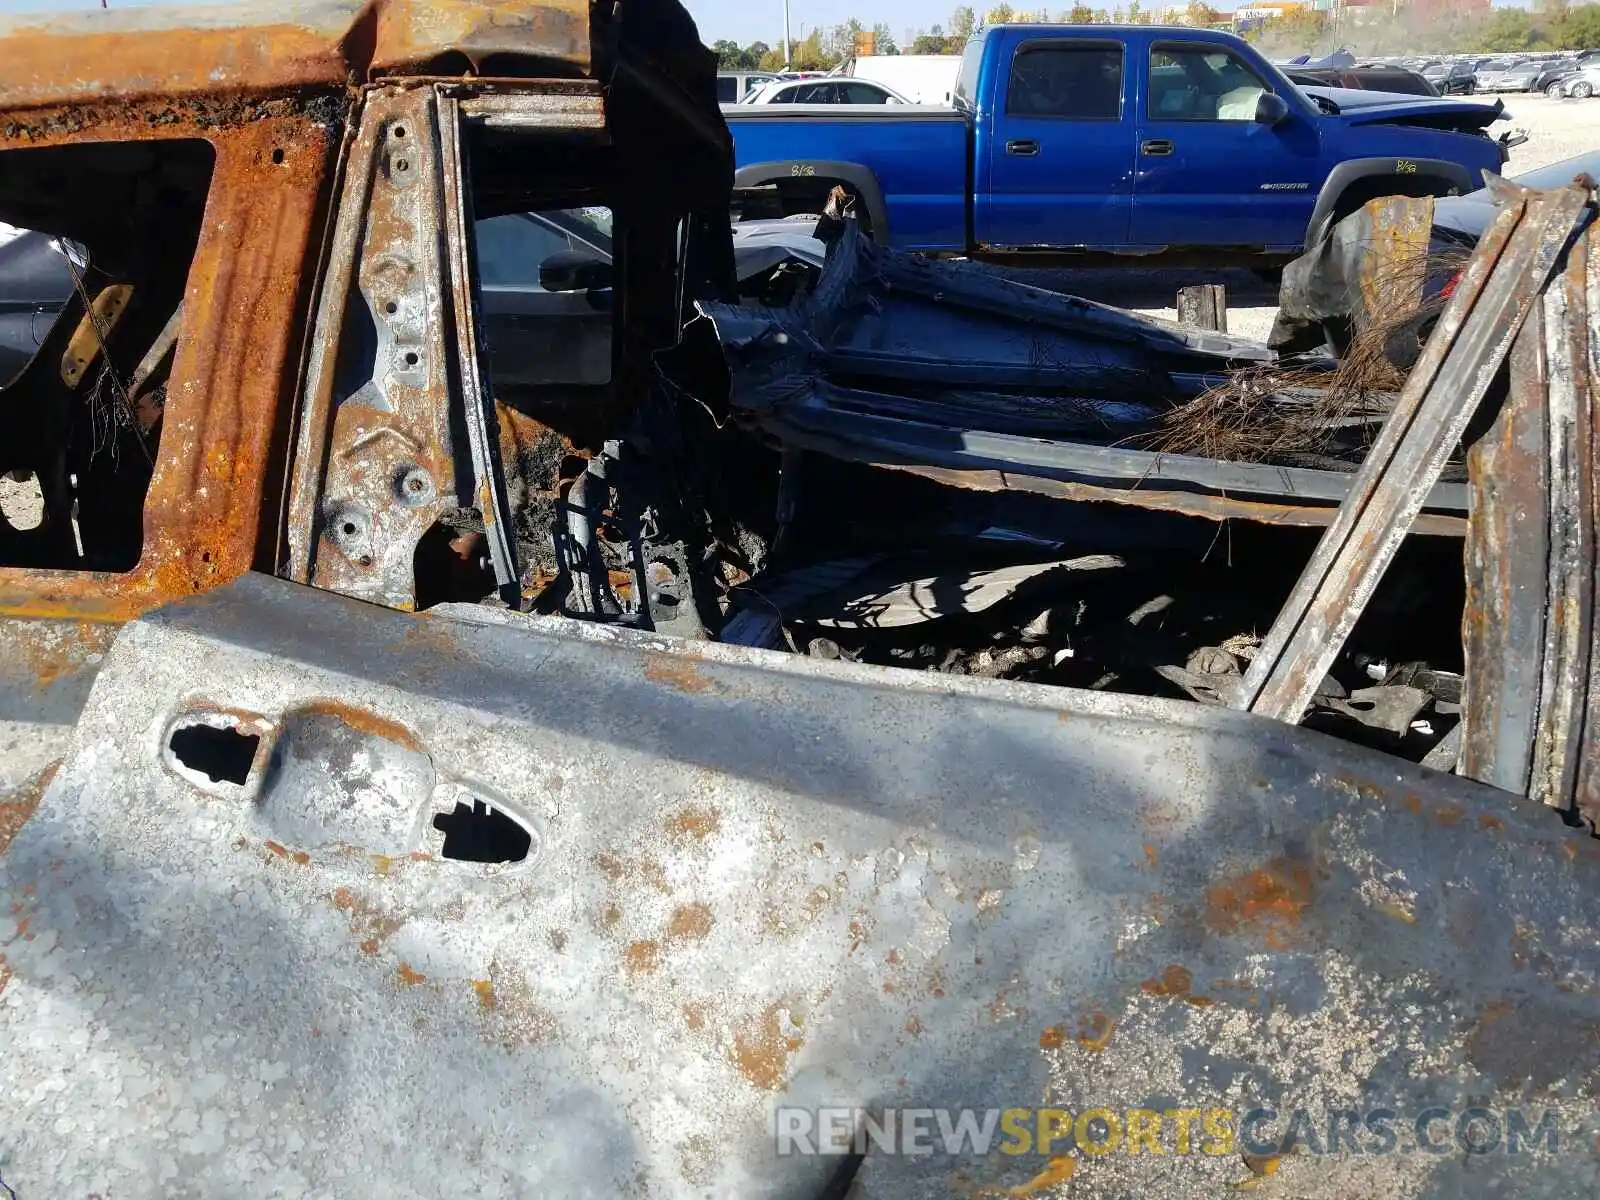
(788, 60)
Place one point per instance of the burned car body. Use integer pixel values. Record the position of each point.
(399, 794)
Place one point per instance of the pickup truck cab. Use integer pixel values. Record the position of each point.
(1132, 140)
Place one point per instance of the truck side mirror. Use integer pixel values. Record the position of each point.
(574, 271)
(1271, 109)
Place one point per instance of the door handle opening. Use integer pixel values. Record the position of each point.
(1025, 149)
(1156, 146)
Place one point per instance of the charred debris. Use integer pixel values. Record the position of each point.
(926, 465)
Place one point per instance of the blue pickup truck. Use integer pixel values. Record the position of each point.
(1124, 140)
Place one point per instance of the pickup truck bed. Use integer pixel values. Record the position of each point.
(918, 155)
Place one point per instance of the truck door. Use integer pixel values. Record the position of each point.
(1210, 174)
(1059, 151)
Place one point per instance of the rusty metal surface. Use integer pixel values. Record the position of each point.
(1587, 793)
(238, 348)
(374, 462)
(1502, 282)
(1192, 504)
(476, 403)
(1563, 696)
(262, 46)
(47, 667)
(1507, 554)
(1393, 263)
(809, 883)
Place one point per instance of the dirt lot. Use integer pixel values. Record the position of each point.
(1557, 129)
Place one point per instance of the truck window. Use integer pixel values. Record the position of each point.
(965, 93)
(1201, 83)
(1067, 81)
(96, 241)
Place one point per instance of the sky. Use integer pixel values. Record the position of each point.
(743, 21)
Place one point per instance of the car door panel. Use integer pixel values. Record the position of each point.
(1207, 173)
(1060, 162)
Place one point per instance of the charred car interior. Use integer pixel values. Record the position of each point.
(583, 645)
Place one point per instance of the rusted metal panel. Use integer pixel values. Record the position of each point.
(1507, 555)
(1218, 911)
(375, 462)
(1587, 791)
(1503, 281)
(1192, 504)
(1570, 587)
(477, 404)
(238, 349)
(266, 47)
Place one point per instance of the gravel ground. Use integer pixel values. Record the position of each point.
(1557, 129)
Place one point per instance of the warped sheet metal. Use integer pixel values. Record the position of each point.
(1502, 283)
(951, 371)
(808, 883)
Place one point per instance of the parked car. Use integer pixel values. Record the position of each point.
(34, 283)
(734, 86)
(1061, 140)
(1452, 78)
(1580, 85)
(1509, 75)
(825, 90)
(1374, 79)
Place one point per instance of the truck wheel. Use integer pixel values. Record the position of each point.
(1582, 90)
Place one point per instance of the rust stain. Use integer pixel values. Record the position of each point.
(693, 824)
(1269, 900)
(1448, 815)
(58, 650)
(641, 958)
(610, 914)
(643, 870)
(689, 923)
(1486, 821)
(762, 1048)
(484, 989)
(376, 926)
(1177, 983)
(1059, 1169)
(5, 974)
(1094, 1031)
(680, 674)
(694, 1016)
(19, 805)
(914, 1025)
(1150, 856)
(1262, 1166)
(276, 848)
(363, 721)
(407, 976)
(1053, 1038)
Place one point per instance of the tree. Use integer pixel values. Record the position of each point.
(731, 57)
(1577, 29)
(840, 41)
(1135, 13)
(1201, 14)
(963, 24)
(883, 40)
(1081, 14)
(1000, 14)
(1507, 29)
